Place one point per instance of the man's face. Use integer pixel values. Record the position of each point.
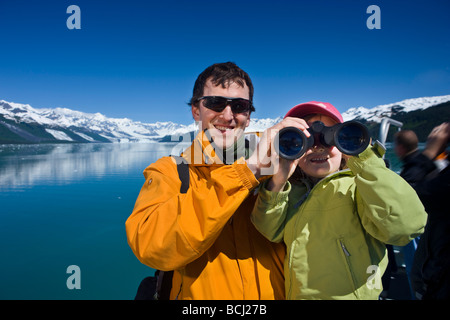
(224, 127)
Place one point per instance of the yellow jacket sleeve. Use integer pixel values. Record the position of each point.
(167, 229)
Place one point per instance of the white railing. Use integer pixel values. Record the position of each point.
(384, 128)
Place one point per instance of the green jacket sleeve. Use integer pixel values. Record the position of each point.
(388, 206)
(269, 212)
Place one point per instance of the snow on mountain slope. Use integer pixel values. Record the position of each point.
(377, 113)
(59, 135)
(111, 128)
(91, 127)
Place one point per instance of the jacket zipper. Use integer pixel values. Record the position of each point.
(348, 265)
(308, 193)
(344, 248)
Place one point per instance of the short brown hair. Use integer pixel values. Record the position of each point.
(408, 139)
(221, 74)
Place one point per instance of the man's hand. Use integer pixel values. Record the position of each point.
(437, 140)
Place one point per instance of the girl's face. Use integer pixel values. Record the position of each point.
(320, 161)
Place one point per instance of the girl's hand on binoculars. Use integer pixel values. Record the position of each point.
(263, 157)
(295, 122)
(271, 133)
(285, 168)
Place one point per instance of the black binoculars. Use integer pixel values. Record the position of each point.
(350, 137)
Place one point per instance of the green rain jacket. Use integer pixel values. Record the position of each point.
(336, 233)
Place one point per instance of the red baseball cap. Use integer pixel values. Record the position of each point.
(303, 109)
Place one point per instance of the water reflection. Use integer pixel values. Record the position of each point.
(28, 165)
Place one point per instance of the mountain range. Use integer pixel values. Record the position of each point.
(21, 123)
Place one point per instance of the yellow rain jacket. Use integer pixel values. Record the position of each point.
(205, 235)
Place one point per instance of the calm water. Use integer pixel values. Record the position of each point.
(63, 205)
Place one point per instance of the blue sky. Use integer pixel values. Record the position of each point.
(139, 59)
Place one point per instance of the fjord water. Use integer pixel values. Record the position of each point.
(66, 204)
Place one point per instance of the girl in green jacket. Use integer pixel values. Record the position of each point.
(335, 222)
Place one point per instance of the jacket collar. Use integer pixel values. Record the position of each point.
(202, 151)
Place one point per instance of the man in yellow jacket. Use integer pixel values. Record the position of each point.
(205, 235)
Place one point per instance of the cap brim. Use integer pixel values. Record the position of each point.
(304, 109)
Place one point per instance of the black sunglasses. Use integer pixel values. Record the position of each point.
(218, 104)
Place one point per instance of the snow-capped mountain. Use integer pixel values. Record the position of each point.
(21, 123)
(377, 113)
(71, 125)
(60, 122)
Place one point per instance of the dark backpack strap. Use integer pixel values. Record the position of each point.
(163, 285)
(164, 278)
(183, 173)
